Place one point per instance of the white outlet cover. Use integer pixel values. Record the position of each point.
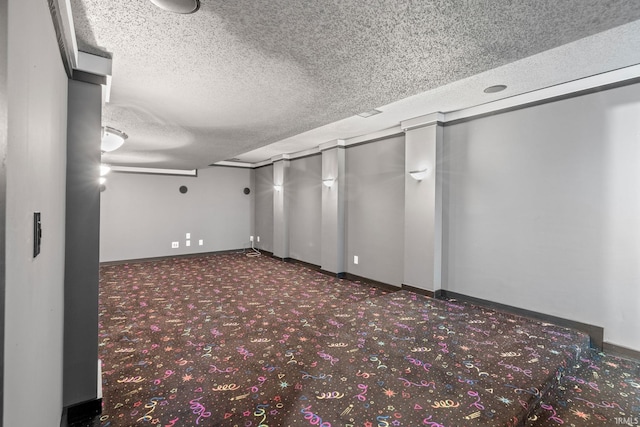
(251, 238)
(188, 243)
(201, 242)
(188, 235)
(175, 245)
(355, 259)
(258, 238)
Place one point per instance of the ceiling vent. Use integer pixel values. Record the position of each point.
(369, 113)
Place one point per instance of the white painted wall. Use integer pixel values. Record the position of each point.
(544, 210)
(36, 161)
(140, 215)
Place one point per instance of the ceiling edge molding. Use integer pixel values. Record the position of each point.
(422, 121)
(234, 164)
(331, 144)
(603, 81)
(65, 33)
(155, 171)
(284, 156)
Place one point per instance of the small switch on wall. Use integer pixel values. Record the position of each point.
(355, 259)
(200, 242)
(188, 235)
(188, 243)
(37, 233)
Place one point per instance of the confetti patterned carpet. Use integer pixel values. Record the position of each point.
(229, 340)
(602, 391)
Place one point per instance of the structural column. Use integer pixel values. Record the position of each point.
(333, 238)
(80, 384)
(423, 203)
(281, 166)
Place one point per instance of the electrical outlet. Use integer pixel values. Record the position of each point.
(355, 259)
(258, 238)
(188, 235)
(200, 242)
(175, 245)
(251, 238)
(188, 243)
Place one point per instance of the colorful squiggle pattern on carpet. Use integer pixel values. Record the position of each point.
(228, 340)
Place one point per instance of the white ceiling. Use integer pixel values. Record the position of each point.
(254, 79)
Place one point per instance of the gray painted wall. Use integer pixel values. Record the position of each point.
(305, 208)
(375, 210)
(142, 215)
(3, 185)
(544, 210)
(264, 207)
(82, 243)
(36, 160)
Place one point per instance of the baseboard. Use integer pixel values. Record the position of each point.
(596, 333)
(166, 257)
(418, 291)
(302, 263)
(82, 411)
(622, 352)
(381, 285)
(332, 274)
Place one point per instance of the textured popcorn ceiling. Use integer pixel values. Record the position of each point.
(237, 75)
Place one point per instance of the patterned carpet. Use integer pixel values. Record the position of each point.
(602, 391)
(229, 340)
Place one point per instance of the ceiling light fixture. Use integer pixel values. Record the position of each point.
(418, 175)
(328, 182)
(495, 88)
(178, 6)
(369, 113)
(104, 169)
(112, 139)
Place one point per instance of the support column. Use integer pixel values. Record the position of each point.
(280, 207)
(423, 203)
(80, 386)
(4, 125)
(333, 239)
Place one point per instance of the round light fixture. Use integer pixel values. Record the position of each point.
(494, 89)
(102, 180)
(112, 139)
(104, 169)
(178, 6)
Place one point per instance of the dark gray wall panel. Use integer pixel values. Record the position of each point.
(82, 243)
(3, 183)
